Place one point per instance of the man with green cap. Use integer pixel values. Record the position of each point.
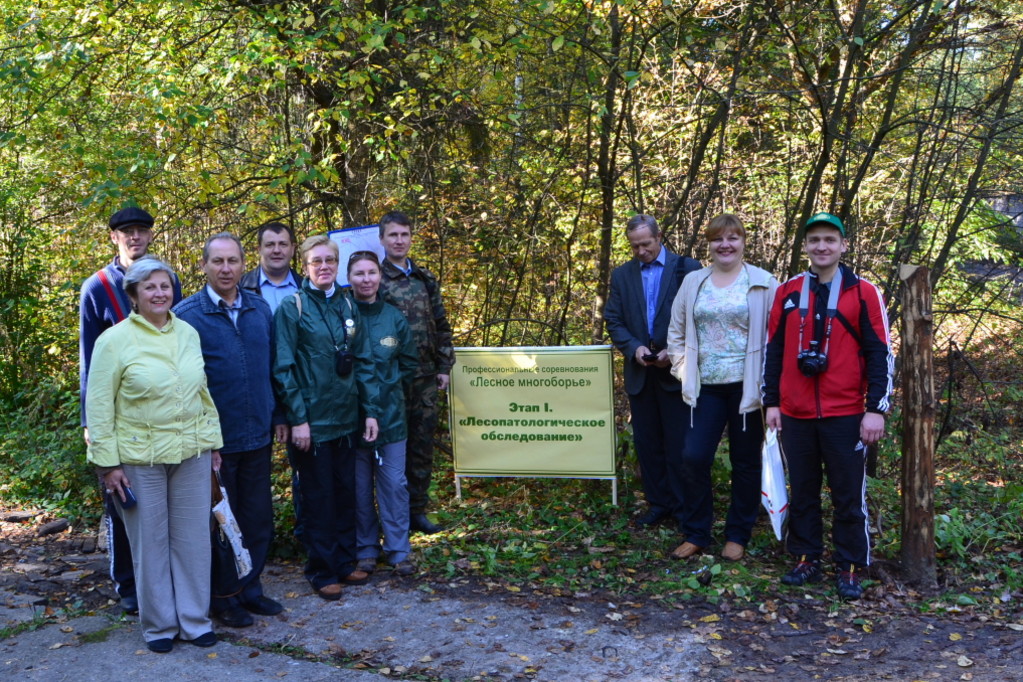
(827, 385)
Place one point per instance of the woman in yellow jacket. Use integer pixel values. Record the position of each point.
(154, 436)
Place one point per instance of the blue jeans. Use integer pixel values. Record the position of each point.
(380, 482)
(716, 407)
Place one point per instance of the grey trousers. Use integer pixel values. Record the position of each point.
(388, 473)
(169, 532)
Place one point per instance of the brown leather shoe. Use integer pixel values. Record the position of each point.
(356, 578)
(733, 551)
(331, 592)
(686, 550)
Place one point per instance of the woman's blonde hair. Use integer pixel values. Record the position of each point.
(723, 224)
(318, 240)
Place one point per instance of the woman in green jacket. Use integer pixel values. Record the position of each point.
(154, 435)
(323, 373)
(395, 362)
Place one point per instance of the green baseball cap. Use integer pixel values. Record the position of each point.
(825, 219)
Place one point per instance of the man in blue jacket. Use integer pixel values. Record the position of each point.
(637, 315)
(104, 304)
(236, 331)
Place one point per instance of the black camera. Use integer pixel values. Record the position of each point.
(344, 363)
(812, 362)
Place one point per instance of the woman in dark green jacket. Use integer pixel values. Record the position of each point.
(383, 461)
(323, 374)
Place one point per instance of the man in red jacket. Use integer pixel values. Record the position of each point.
(827, 386)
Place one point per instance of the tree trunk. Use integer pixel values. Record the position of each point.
(918, 400)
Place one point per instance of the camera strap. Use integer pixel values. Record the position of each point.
(344, 323)
(830, 313)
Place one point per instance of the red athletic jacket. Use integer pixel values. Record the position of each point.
(860, 360)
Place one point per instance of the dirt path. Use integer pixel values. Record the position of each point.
(427, 628)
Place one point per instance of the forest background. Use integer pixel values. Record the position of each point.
(520, 135)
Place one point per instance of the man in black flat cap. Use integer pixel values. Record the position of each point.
(104, 304)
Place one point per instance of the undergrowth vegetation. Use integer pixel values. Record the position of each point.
(565, 535)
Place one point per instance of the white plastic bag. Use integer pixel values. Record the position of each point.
(774, 494)
(229, 527)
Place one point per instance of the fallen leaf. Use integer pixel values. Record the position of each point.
(388, 639)
(513, 588)
(955, 637)
(712, 618)
(593, 631)
(211, 655)
(384, 671)
(67, 628)
(964, 662)
(426, 659)
(613, 616)
(1015, 626)
(253, 654)
(57, 645)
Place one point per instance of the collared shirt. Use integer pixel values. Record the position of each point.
(408, 267)
(231, 308)
(275, 293)
(651, 273)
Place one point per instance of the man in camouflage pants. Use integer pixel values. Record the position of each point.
(416, 293)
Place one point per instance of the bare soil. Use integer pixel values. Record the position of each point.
(792, 634)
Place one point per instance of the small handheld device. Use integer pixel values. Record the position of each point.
(129, 499)
(650, 357)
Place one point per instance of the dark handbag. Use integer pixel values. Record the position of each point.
(225, 579)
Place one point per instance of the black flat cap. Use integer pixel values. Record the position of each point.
(129, 217)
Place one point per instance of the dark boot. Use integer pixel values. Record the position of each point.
(419, 522)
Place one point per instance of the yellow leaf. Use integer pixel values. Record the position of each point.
(955, 637)
(211, 655)
(593, 631)
(712, 618)
(512, 588)
(714, 635)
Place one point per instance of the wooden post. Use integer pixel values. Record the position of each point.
(918, 409)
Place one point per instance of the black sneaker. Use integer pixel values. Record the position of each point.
(848, 584)
(804, 572)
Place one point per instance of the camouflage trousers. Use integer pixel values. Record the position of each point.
(421, 411)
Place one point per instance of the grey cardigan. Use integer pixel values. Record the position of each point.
(683, 346)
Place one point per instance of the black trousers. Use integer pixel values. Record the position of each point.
(814, 448)
(122, 570)
(246, 477)
(658, 430)
(327, 473)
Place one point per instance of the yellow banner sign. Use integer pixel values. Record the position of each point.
(533, 411)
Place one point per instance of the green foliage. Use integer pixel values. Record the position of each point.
(42, 453)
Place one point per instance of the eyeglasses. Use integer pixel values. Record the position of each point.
(317, 262)
(363, 255)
